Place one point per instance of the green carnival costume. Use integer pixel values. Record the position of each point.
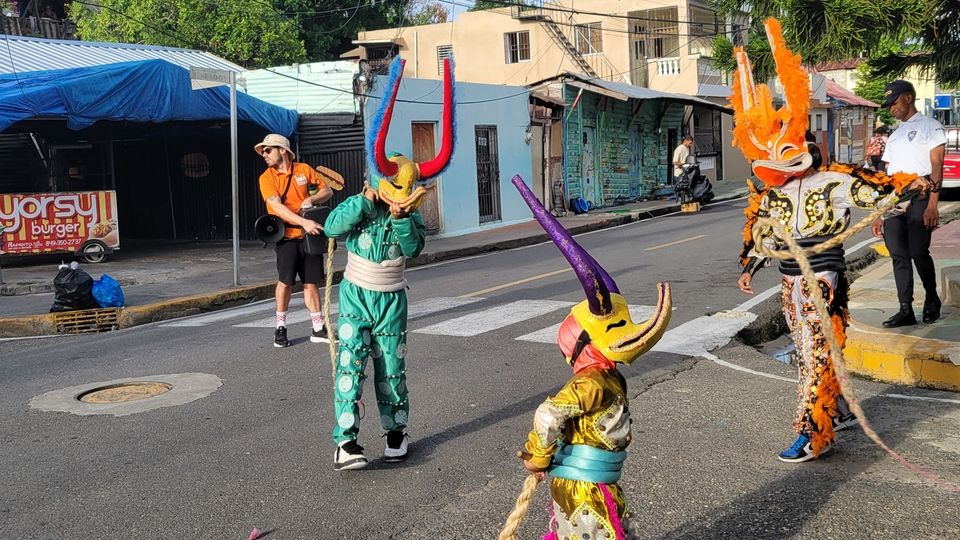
(373, 300)
(373, 310)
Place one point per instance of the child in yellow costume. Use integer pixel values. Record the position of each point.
(581, 434)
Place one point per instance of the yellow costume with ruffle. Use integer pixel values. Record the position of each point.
(580, 435)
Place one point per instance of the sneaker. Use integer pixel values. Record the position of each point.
(802, 450)
(396, 449)
(349, 456)
(321, 336)
(280, 337)
(842, 422)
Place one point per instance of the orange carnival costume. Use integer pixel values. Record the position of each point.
(813, 204)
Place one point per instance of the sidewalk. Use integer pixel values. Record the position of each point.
(925, 355)
(170, 279)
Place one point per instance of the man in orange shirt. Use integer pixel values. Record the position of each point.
(285, 187)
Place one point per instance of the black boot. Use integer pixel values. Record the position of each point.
(931, 309)
(904, 317)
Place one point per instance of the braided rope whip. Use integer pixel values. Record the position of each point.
(326, 307)
(794, 251)
(509, 531)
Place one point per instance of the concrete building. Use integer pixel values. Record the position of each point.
(662, 46)
(493, 144)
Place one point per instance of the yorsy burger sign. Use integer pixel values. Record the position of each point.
(46, 222)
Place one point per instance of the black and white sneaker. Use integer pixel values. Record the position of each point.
(321, 336)
(843, 422)
(802, 450)
(396, 448)
(280, 337)
(349, 456)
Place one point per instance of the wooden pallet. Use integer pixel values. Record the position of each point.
(86, 321)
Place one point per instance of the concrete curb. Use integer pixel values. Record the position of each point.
(899, 359)
(38, 325)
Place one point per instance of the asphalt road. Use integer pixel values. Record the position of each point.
(256, 452)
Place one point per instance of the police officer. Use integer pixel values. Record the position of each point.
(917, 146)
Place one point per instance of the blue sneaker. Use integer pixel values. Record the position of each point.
(802, 450)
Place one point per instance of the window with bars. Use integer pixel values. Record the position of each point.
(443, 52)
(516, 46)
(655, 33)
(587, 38)
(704, 25)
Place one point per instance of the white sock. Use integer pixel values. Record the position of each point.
(281, 318)
(317, 319)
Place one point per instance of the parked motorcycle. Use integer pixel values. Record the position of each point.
(691, 185)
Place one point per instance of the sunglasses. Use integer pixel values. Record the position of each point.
(269, 149)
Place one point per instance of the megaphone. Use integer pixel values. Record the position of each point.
(269, 228)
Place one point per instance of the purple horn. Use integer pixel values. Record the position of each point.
(597, 284)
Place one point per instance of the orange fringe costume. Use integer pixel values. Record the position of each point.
(813, 205)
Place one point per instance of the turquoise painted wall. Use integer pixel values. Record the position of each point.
(506, 107)
(630, 150)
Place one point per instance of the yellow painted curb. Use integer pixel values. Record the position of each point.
(899, 359)
(881, 249)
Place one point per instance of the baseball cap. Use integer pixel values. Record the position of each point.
(893, 91)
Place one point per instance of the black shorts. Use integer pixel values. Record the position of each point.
(292, 261)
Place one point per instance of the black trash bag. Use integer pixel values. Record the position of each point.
(73, 289)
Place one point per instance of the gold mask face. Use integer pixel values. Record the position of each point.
(401, 188)
(616, 336)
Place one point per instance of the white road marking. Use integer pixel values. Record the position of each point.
(704, 334)
(921, 398)
(549, 334)
(724, 363)
(429, 306)
(293, 317)
(494, 317)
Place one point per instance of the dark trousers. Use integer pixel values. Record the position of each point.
(908, 239)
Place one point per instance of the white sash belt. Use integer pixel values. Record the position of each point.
(386, 276)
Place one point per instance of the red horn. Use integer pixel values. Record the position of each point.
(436, 165)
(387, 168)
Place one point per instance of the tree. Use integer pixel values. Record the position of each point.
(252, 33)
(894, 34)
(227, 29)
(427, 12)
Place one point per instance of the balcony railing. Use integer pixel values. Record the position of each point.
(668, 66)
(38, 27)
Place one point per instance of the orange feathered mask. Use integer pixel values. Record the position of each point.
(773, 139)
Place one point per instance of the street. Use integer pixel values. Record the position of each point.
(709, 416)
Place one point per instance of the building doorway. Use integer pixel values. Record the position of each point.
(488, 173)
(425, 149)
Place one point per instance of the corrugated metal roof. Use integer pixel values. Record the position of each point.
(843, 95)
(640, 92)
(328, 87)
(36, 54)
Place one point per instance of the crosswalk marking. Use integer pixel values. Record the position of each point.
(704, 334)
(422, 308)
(493, 318)
(693, 338)
(292, 318)
(549, 334)
(204, 320)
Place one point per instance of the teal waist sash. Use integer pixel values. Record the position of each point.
(587, 464)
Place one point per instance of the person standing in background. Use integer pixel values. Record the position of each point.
(916, 146)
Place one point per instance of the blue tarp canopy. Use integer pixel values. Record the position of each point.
(143, 91)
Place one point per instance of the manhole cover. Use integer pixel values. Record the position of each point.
(124, 392)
